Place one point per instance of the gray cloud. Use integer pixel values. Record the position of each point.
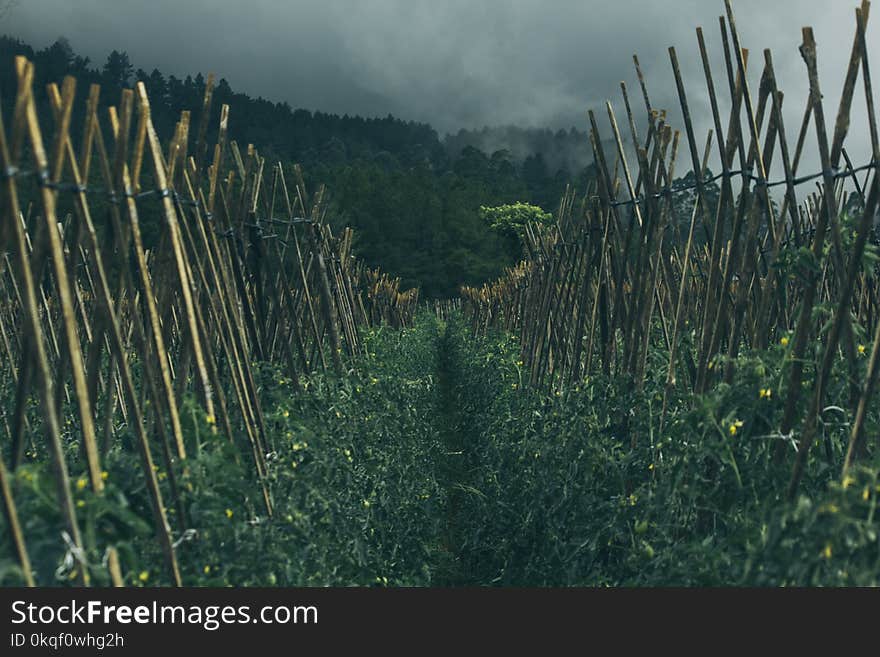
(458, 63)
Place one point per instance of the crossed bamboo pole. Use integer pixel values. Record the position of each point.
(616, 274)
(110, 331)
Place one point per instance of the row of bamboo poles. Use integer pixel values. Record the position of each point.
(443, 309)
(617, 275)
(110, 336)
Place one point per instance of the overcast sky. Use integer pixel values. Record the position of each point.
(456, 63)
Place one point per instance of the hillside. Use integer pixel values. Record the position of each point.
(412, 197)
(670, 379)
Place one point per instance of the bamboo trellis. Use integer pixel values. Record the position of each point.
(93, 324)
(615, 275)
(443, 309)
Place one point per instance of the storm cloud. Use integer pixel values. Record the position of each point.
(458, 63)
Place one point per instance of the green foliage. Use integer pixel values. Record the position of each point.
(514, 216)
(581, 489)
(351, 475)
(432, 463)
(510, 221)
(412, 198)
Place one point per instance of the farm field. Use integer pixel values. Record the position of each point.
(664, 376)
(430, 466)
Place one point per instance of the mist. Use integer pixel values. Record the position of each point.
(460, 64)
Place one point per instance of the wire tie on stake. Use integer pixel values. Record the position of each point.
(73, 553)
(188, 535)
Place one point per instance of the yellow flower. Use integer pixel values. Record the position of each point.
(104, 475)
(784, 341)
(144, 576)
(366, 504)
(861, 350)
(651, 466)
(229, 513)
(765, 393)
(513, 386)
(734, 427)
(210, 419)
(207, 570)
(866, 494)
(81, 483)
(826, 553)
(80, 503)
(286, 413)
(847, 482)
